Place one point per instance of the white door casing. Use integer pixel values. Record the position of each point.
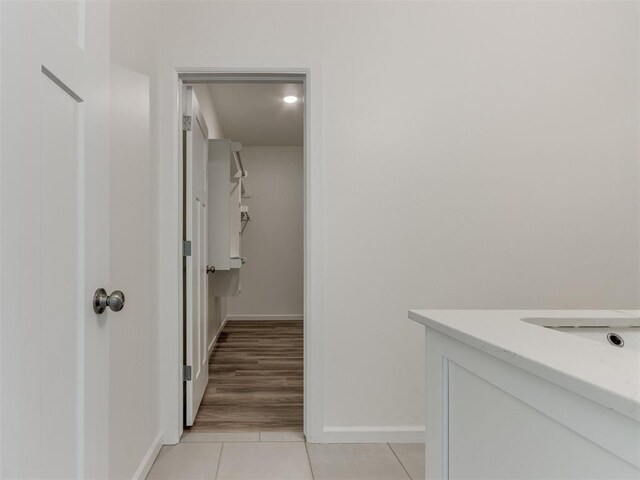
(170, 197)
(196, 152)
(55, 244)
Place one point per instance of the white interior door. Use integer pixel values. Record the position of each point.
(196, 151)
(54, 238)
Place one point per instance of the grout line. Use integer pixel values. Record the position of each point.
(277, 441)
(219, 461)
(306, 449)
(399, 461)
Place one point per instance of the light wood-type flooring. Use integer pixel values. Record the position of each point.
(255, 379)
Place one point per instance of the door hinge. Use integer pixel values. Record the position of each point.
(186, 123)
(186, 373)
(186, 248)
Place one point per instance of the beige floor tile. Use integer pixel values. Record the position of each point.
(264, 461)
(355, 462)
(281, 437)
(191, 437)
(186, 461)
(411, 456)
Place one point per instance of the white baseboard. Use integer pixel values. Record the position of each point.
(266, 317)
(149, 458)
(398, 434)
(217, 335)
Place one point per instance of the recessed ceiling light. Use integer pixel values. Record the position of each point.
(290, 99)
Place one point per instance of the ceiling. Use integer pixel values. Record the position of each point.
(255, 115)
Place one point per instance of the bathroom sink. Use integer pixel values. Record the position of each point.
(617, 332)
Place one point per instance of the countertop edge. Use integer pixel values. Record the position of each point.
(616, 399)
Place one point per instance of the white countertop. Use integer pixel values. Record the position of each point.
(607, 375)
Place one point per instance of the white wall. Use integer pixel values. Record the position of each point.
(476, 155)
(133, 333)
(134, 396)
(272, 279)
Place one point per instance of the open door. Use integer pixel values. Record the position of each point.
(195, 141)
(55, 241)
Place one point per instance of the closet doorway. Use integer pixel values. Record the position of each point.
(243, 217)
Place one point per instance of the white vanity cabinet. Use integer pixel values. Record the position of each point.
(226, 175)
(510, 399)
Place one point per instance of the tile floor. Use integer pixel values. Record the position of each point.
(284, 456)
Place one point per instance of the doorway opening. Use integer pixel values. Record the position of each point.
(243, 280)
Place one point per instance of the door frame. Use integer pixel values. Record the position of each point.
(169, 252)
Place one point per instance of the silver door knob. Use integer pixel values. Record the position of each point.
(101, 301)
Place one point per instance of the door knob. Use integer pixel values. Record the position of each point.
(211, 269)
(101, 301)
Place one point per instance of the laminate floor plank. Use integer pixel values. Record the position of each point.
(255, 379)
